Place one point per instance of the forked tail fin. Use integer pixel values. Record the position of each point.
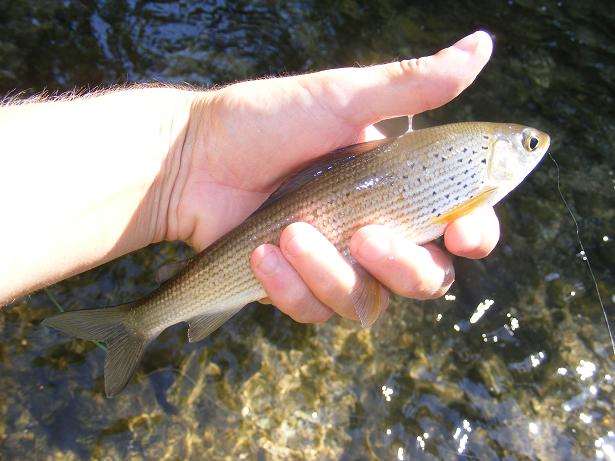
(125, 343)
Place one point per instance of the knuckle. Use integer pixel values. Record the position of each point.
(331, 293)
(298, 304)
(414, 65)
(309, 310)
(423, 287)
(295, 299)
(301, 316)
(421, 291)
(484, 248)
(313, 314)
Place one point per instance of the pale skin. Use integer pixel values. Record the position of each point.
(87, 180)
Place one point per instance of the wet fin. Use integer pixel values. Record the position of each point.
(369, 298)
(466, 207)
(166, 271)
(203, 325)
(124, 343)
(325, 163)
(395, 126)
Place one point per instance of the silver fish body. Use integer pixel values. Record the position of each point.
(414, 184)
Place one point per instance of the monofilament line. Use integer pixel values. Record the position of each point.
(589, 266)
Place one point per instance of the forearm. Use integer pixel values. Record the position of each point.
(85, 181)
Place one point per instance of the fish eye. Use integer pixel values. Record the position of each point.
(533, 143)
(530, 141)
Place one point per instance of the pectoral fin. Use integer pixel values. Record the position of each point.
(465, 208)
(369, 297)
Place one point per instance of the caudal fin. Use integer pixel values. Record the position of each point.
(125, 344)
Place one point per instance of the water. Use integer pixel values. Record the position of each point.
(532, 378)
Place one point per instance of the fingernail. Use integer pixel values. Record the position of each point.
(294, 247)
(468, 43)
(449, 275)
(374, 248)
(269, 262)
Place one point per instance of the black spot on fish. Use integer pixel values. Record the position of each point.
(433, 211)
(473, 174)
(443, 158)
(419, 180)
(437, 155)
(465, 149)
(469, 161)
(405, 176)
(485, 137)
(465, 185)
(484, 147)
(474, 152)
(457, 198)
(433, 192)
(424, 167)
(484, 161)
(459, 183)
(450, 149)
(465, 172)
(438, 215)
(452, 177)
(447, 195)
(460, 160)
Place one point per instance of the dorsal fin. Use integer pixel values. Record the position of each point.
(325, 163)
(395, 126)
(166, 271)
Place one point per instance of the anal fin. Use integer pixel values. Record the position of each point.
(201, 326)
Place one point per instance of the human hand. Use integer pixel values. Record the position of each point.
(270, 127)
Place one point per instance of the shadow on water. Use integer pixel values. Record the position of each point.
(530, 378)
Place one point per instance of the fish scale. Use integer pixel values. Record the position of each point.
(414, 185)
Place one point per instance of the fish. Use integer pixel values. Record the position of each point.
(413, 184)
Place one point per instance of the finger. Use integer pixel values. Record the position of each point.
(323, 269)
(284, 287)
(362, 96)
(474, 235)
(413, 271)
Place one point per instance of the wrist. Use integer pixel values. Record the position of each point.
(190, 122)
(105, 171)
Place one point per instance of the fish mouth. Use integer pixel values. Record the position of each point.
(545, 142)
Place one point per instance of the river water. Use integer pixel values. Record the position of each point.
(532, 379)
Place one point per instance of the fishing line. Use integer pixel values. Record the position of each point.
(584, 253)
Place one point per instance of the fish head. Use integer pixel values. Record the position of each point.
(514, 152)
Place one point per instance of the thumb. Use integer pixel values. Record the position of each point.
(362, 96)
